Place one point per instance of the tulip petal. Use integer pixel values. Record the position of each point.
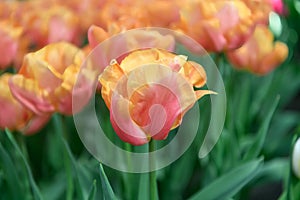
(109, 79)
(30, 95)
(195, 73)
(122, 123)
(13, 115)
(35, 124)
(158, 85)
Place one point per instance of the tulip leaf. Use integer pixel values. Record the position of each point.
(8, 167)
(34, 187)
(71, 166)
(275, 169)
(262, 133)
(93, 191)
(230, 183)
(107, 190)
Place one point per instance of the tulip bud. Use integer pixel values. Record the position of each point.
(296, 158)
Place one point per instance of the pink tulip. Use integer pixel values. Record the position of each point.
(9, 42)
(14, 115)
(149, 92)
(46, 79)
(260, 54)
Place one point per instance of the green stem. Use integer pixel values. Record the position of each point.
(152, 173)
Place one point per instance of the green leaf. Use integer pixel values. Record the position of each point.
(72, 167)
(230, 183)
(9, 170)
(256, 147)
(108, 192)
(35, 190)
(275, 169)
(93, 191)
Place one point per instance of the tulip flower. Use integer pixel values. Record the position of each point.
(137, 14)
(133, 40)
(45, 81)
(54, 24)
(148, 93)
(260, 54)
(217, 25)
(13, 115)
(278, 6)
(296, 158)
(9, 39)
(260, 10)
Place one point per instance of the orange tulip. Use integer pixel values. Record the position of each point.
(56, 23)
(9, 42)
(148, 93)
(260, 54)
(45, 81)
(260, 10)
(133, 40)
(217, 25)
(14, 115)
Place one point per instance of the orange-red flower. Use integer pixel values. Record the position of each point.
(14, 115)
(9, 42)
(260, 54)
(148, 93)
(45, 81)
(217, 25)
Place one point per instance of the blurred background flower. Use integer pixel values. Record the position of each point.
(45, 81)
(14, 115)
(260, 54)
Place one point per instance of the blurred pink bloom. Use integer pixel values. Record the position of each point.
(133, 40)
(9, 43)
(46, 79)
(128, 14)
(278, 6)
(221, 25)
(260, 54)
(260, 10)
(14, 115)
(56, 23)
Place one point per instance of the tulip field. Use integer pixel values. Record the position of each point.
(148, 100)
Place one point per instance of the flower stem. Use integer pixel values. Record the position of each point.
(152, 173)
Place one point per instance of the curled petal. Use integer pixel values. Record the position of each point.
(109, 79)
(122, 123)
(96, 35)
(194, 73)
(13, 115)
(35, 124)
(30, 95)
